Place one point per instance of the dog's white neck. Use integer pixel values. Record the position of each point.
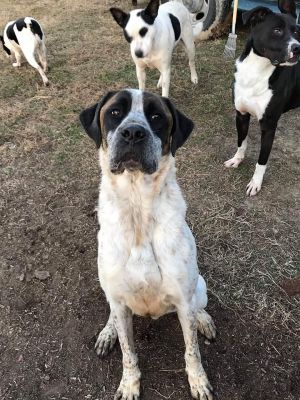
(135, 201)
(251, 89)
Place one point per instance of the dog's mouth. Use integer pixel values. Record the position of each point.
(129, 162)
(293, 58)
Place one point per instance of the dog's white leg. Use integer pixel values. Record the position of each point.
(29, 55)
(159, 82)
(107, 338)
(129, 388)
(42, 53)
(199, 384)
(18, 57)
(141, 76)
(188, 42)
(165, 81)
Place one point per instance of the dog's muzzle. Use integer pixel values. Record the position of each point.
(133, 150)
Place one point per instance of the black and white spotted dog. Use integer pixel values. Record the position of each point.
(153, 33)
(147, 261)
(25, 37)
(267, 80)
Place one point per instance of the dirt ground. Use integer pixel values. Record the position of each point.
(51, 305)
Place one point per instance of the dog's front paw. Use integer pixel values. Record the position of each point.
(201, 389)
(106, 340)
(16, 64)
(234, 162)
(194, 79)
(253, 187)
(129, 388)
(206, 324)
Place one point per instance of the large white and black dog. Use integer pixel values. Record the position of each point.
(25, 37)
(153, 33)
(267, 80)
(147, 259)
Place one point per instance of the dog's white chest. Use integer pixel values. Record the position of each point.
(251, 88)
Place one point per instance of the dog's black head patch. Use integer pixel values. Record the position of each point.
(149, 14)
(273, 35)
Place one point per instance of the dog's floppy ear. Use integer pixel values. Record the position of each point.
(287, 7)
(152, 9)
(120, 16)
(89, 119)
(182, 126)
(256, 15)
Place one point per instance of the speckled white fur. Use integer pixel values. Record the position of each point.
(147, 265)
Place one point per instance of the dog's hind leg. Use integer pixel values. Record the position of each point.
(106, 338)
(188, 41)
(199, 384)
(205, 323)
(29, 55)
(129, 388)
(42, 53)
(18, 56)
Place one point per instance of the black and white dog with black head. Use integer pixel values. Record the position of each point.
(153, 33)
(25, 37)
(267, 80)
(147, 261)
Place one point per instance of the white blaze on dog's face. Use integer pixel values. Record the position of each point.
(136, 129)
(138, 27)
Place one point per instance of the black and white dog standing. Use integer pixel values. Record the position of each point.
(267, 80)
(25, 36)
(147, 261)
(153, 33)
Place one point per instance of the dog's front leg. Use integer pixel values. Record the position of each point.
(141, 76)
(199, 384)
(129, 388)
(242, 127)
(165, 81)
(268, 129)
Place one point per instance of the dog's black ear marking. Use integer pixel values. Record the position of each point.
(120, 16)
(181, 129)
(152, 9)
(287, 7)
(89, 119)
(256, 15)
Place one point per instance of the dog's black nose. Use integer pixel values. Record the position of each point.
(139, 53)
(133, 134)
(295, 48)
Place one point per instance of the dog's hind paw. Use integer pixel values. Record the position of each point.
(16, 64)
(206, 324)
(201, 389)
(106, 340)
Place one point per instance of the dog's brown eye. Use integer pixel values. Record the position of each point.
(115, 113)
(277, 31)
